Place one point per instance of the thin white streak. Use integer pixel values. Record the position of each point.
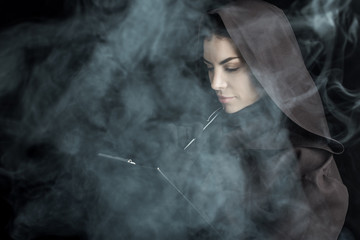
(130, 161)
(210, 122)
(191, 204)
(189, 143)
(168, 180)
(214, 113)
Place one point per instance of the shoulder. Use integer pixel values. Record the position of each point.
(302, 139)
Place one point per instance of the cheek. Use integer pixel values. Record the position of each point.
(244, 86)
(252, 91)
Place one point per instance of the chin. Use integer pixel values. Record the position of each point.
(229, 109)
(233, 109)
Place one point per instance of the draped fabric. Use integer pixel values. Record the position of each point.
(272, 162)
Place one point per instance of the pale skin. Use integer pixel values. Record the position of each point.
(229, 75)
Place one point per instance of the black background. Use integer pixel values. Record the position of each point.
(15, 12)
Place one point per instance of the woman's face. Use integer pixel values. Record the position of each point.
(229, 75)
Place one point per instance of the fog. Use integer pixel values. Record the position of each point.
(98, 106)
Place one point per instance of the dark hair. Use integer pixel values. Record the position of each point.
(215, 26)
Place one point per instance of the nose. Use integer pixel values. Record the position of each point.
(217, 81)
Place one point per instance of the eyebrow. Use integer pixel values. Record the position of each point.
(223, 61)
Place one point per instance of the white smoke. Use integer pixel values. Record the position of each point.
(116, 78)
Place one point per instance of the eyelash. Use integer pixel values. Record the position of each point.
(226, 69)
(231, 69)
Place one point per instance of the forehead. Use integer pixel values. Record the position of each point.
(217, 48)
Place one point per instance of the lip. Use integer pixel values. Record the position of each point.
(223, 99)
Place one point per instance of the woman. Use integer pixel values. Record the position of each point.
(268, 152)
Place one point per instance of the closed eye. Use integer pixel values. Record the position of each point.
(232, 69)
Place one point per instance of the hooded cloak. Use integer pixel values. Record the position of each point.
(267, 43)
(290, 187)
